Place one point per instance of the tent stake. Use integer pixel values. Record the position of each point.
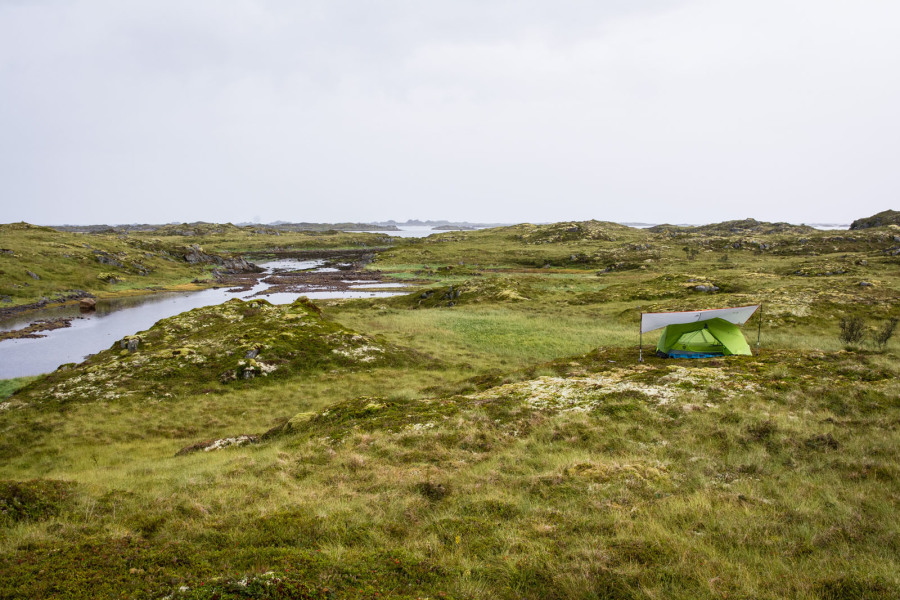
(759, 327)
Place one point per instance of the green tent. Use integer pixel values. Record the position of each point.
(713, 337)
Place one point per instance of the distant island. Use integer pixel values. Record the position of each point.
(280, 226)
(389, 226)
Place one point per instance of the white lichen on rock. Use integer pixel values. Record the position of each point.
(360, 353)
(241, 440)
(580, 394)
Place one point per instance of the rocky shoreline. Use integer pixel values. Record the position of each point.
(7, 312)
(33, 329)
(346, 269)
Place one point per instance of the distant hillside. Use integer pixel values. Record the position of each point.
(283, 226)
(743, 226)
(440, 224)
(196, 228)
(41, 264)
(886, 217)
(569, 231)
(205, 228)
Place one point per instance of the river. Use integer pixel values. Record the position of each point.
(115, 318)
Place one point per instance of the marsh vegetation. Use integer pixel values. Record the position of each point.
(489, 435)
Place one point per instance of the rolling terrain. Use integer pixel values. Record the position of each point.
(491, 434)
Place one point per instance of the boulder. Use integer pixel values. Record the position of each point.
(130, 343)
(87, 304)
(105, 258)
(210, 445)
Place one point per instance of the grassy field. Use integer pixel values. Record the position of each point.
(490, 435)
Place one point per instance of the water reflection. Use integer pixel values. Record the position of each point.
(118, 317)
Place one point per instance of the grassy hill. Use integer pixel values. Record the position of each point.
(212, 347)
(532, 457)
(39, 263)
(882, 219)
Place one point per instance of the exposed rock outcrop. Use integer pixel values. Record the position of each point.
(882, 219)
(194, 254)
(210, 445)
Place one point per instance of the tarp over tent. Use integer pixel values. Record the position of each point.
(699, 334)
(737, 315)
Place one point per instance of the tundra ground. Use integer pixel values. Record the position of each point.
(489, 435)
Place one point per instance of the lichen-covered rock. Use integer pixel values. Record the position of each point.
(130, 343)
(211, 445)
(194, 254)
(105, 258)
(109, 277)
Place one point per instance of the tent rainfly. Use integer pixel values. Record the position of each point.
(699, 333)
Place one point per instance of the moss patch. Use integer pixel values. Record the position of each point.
(32, 500)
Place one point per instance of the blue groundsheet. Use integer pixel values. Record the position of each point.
(686, 354)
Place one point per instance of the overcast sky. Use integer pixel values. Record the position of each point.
(687, 111)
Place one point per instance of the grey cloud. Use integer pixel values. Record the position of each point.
(686, 111)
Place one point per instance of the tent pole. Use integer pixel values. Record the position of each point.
(759, 327)
(641, 336)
